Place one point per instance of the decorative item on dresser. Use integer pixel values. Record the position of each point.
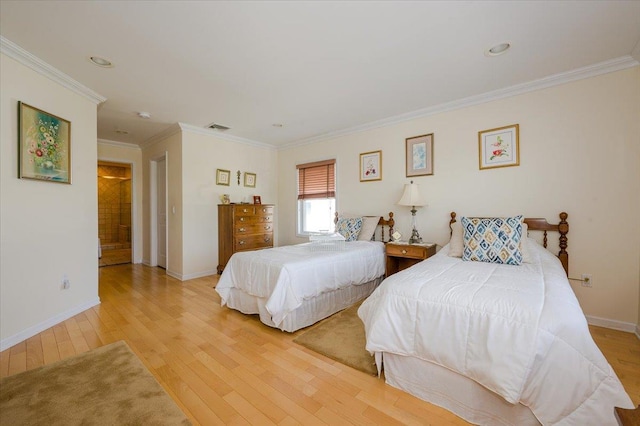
(243, 227)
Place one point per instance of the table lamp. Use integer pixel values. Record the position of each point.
(411, 197)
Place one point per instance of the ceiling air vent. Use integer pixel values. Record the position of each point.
(215, 126)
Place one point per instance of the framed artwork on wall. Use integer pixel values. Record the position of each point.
(257, 199)
(499, 147)
(44, 145)
(223, 177)
(250, 179)
(419, 155)
(371, 166)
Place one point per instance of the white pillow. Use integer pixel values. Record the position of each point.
(456, 244)
(369, 225)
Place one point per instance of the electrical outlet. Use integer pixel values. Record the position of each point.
(65, 282)
(586, 280)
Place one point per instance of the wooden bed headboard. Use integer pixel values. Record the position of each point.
(540, 224)
(381, 222)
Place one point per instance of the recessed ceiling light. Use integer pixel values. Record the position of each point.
(277, 125)
(101, 62)
(143, 114)
(498, 49)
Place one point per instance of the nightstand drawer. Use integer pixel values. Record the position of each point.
(407, 251)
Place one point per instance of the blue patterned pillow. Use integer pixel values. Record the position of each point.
(492, 239)
(349, 228)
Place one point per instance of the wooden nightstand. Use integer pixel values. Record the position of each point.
(401, 256)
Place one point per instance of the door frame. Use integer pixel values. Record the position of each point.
(134, 204)
(153, 204)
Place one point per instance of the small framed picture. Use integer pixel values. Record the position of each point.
(250, 179)
(256, 199)
(499, 147)
(44, 145)
(419, 153)
(371, 166)
(223, 177)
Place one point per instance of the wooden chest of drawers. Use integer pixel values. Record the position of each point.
(243, 227)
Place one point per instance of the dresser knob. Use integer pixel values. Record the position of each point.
(267, 227)
(264, 210)
(267, 239)
(242, 219)
(241, 243)
(404, 252)
(242, 229)
(244, 210)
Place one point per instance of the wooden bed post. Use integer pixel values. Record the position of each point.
(563, 229)
(451, 222)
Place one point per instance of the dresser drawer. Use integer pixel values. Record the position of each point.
(407, 251)
(250, 220)
(245, 211)
(251, 242)
(264, 210)
(253, 228)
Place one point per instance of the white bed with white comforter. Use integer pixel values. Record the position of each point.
(292, 287)
(495, 344)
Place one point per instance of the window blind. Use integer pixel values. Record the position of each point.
(317, 180)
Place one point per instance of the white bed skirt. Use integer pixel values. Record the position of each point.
(311, 310)
(451, 391)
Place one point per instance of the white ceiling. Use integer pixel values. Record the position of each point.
(318, 68)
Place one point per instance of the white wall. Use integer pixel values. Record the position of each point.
(47, 229)
(202, 154)
(192, 159)
(580, 153)
(119, 152)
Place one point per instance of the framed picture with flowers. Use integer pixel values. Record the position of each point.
(499, 147)
(44, 145)
(371, 166)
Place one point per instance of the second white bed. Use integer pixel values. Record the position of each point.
(292, 287)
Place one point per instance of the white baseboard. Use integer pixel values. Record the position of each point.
(186, 277)
(638, 331)
(38, 328)
(629, 327)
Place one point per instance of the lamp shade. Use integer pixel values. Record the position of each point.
(411, 196)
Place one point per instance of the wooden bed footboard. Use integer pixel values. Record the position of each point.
(541, 224)
(382, 222)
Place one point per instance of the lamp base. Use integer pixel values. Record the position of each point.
(415, 237)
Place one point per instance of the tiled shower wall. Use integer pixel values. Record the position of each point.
(114, 205)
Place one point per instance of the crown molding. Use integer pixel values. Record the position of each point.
(216, 133)
(118, 144)
(169, 131)
(14, 51)
(600, 68)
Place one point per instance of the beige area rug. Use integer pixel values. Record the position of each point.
(105, 386)
(341, 337)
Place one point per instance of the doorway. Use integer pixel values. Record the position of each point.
(159, 220)
(114, 213)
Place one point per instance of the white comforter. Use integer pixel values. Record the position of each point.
(517, 330)
(286, 276)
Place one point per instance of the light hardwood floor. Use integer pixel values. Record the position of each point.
(223, 367)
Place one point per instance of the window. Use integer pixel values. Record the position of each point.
(316, 196)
